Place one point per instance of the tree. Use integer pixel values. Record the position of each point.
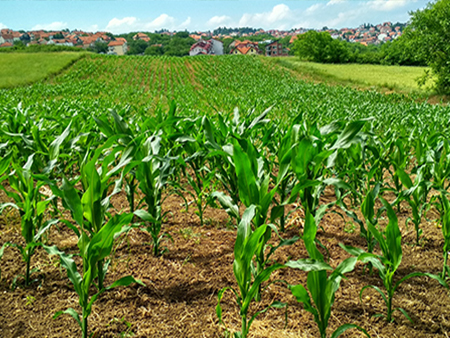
(430, 33)
(137, 47)
(320, 47)
(100, 47)
(154, 50)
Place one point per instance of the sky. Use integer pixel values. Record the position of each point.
(123, 16)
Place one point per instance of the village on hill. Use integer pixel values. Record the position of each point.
(245, 41)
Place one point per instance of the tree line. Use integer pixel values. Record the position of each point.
(425, 42)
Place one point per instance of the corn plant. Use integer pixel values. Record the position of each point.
(414, 195)
(153, 173)
(245, 248)
(320, 285)
(445, 223)
(93, 250)
(312, 156)
(31, 204)
(254, 190)
(200, 178)
(90, 205)
(388, 262)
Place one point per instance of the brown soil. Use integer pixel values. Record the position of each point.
(180, 295)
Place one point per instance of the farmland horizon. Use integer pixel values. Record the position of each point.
(194, 16)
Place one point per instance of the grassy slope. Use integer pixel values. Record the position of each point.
(24, 68)
(398, 78)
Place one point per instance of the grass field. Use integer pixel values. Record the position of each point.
(25, 68)
(398, 78)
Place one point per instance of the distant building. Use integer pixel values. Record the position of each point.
(208, 47)
(118, 47)
(245, 48)
(276, 49)
(141, 36)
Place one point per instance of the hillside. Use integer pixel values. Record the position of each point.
(18, 69)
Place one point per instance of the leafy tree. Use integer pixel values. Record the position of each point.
(137, 47)
(100, 47)
(430, 33)
(320, 47)
(179, 46)
(401, 52)
(154, 50)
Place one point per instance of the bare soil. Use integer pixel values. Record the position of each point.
(180, 295)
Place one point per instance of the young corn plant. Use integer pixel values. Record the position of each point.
(91, 210)
(388, 262)
(254, 190)
(311, 160)
(445, 223)
(414, 197)
(245, 248)
(93, 250)
(321, 286)
(31, 204)
(153, 173)
(200, 177)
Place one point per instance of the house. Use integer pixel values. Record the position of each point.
(118, 47)
(209, 47)
(6, 38)
(6, 44)
(141, 36)
(244, 48)
(276, 49)
(60, 42)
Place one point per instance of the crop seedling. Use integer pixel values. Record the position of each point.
(92, 250)
(388, 262)
(153, 173)
(320, 285)
(31, 204)
(245, 248)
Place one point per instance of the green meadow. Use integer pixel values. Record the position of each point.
(397, 78)
(18, 69)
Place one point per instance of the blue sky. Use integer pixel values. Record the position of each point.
(122, 16)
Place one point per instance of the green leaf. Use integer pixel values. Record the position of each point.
(144, 215)
(341, 329)
(69, 264)
(376, 288)
(393, 237)
(125, 281)
(349, 135)
(70, 312)
(73, 201)
(405, 314)
(248, 191)
(308, 264)
(422, 274)
(227, 203)
(56, 144)
(302, 296)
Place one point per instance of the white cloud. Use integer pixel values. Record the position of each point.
(335, 2)
(312, 9)
(129, 24)
(57, 25)
(185, 24)
(162, 21)
(217, 21)
(387, 5)
(115, 23)
(2, 26)
(279, 18)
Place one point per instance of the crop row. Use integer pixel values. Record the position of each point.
(70, 151)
